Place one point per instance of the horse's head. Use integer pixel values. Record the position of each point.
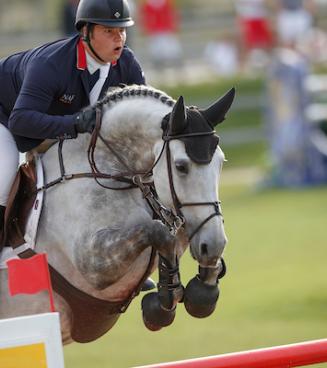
(186, 177)
(193, 161)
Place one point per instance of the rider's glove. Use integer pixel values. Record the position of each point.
(85, 120)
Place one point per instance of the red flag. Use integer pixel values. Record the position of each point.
(29, 276)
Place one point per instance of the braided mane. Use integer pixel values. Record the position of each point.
(118, 94)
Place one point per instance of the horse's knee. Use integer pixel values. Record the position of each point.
(162, 240)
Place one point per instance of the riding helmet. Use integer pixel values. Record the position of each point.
(111, 13)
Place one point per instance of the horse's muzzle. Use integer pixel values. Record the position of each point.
(207, 251)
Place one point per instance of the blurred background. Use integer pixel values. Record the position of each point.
(273, 186)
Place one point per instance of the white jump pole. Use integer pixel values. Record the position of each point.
(31, 341)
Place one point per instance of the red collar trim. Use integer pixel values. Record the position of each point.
(81, 56)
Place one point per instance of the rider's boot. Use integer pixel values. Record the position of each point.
(2, 218)
(148, 284)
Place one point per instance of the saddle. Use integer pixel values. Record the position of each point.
(91, 317)
(21, 200)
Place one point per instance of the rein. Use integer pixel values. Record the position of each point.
(95, 173)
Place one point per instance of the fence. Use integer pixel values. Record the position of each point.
(31, 341)
(286, 356)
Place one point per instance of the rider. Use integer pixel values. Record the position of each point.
(44, 89)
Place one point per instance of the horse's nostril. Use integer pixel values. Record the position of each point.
(204, 249)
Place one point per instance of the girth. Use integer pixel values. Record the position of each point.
(91, 317)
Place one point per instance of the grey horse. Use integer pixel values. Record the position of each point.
(136, 194)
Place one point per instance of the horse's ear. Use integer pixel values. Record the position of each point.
(178, 117)
(215, 113)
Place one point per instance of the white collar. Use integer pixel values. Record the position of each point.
(93, 65)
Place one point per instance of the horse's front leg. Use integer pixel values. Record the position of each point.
(109, 253)
(202, 292)
(159, 308)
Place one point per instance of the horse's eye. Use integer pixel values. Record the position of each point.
(182, 166)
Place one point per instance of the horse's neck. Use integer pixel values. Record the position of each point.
(131, 127)
(132, 130)
(133, 145)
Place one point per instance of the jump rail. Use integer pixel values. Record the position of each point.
(285, 356)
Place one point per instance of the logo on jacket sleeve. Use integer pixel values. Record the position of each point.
(67, 98)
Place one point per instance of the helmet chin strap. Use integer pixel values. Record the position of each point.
(87, 39)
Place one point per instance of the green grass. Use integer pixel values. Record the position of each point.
(241, 118)
(240, 155)
(274, 292)
(216, 87)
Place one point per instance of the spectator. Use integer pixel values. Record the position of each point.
(296, 161)
(160, 20)
(294, 19)
(253, 27)
(222, 55)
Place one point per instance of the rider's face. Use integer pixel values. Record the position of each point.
(108, 42)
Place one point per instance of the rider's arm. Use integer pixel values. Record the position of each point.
(29, 117)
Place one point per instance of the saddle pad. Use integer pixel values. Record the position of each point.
(32, 222)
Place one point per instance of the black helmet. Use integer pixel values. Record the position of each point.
(112, 13)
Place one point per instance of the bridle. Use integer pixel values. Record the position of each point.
(174, 220)
(178, 205)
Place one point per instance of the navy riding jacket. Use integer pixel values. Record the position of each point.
(43, 89)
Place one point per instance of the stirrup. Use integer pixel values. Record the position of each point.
(148, 284)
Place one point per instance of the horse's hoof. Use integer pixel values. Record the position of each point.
(200, 299)
(154, 317)
(150, 326)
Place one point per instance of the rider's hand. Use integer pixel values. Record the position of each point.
(85, 121)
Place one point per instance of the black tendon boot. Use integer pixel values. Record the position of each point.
(2, 220)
